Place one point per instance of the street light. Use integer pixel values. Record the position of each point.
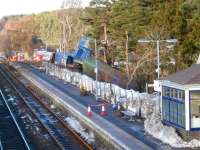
(144, 41)
(96, 66)
(171, 40)
(157, 49)
(96, 70)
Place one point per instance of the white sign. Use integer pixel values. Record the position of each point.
(95, 70)
(157, 86)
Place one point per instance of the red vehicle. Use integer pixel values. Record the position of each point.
(37, 58)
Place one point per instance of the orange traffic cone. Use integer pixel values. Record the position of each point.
(103, 111)
(89, 112)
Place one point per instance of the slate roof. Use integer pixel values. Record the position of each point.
(187, 76)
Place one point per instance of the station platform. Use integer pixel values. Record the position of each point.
(120, 132)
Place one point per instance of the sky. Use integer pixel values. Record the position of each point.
(13, 7)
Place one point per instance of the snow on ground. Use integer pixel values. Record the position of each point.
(12, 99)
(166, 134)
(7, 90)
(147, 105)
(73, 123)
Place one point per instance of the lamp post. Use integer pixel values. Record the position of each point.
(158, 50)
(96, 66)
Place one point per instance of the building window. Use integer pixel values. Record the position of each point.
(176, 94)
(181, 115)
(174, 112)
(171, 92)
(195, 109)
(181, 95)
(173, 106)
(165, 110)
(166, 91)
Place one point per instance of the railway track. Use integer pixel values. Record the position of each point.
(64, 137)
(12, 137)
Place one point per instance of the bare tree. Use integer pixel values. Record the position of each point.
(127, 55)
(70, 22)
(139, 63)
(71, 4)
(4, 42)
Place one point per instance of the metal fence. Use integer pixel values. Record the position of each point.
(109, 92)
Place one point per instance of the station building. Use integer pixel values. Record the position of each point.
(180, 102)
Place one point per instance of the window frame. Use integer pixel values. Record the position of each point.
(173, 107)
(174, 93)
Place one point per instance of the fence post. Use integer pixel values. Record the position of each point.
(132, 94)
(91, 85)
(104, 90)
(54, 70)
(126, 93)
(111, 91)
(100, 90)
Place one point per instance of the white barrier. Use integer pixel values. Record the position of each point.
(143, 102)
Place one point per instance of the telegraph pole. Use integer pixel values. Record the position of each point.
(96, 67)
(158, 58)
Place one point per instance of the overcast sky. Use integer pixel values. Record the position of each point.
(12, 7)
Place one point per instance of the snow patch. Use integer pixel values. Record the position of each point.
(7, 90)
(166, 134)
(11, 99)
(73, 123)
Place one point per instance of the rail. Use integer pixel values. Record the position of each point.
(29, 107)
(15, 121)
(1, 147)
(82, 142)
(61, 120)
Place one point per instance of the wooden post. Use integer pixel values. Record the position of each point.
(126, 53)
(106, 43)
(147, 89)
